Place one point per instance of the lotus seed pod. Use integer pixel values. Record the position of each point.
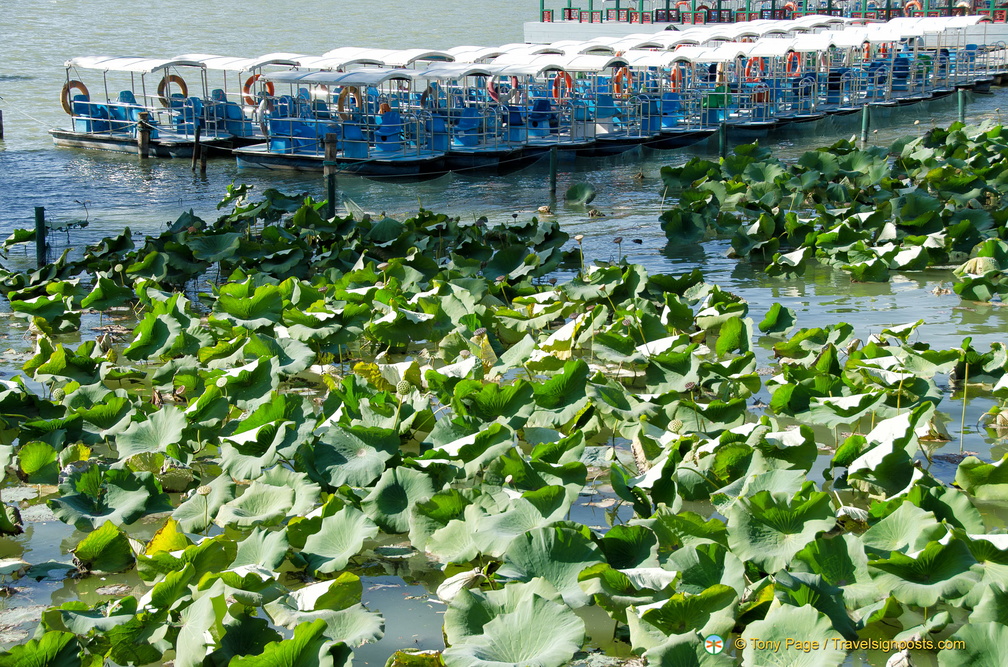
(403, 387)
(465, 354)
(675, 426)
(204, 490)
(383, 266)
(58, 394)
(481, 331)
(627, 322)
(579, 238)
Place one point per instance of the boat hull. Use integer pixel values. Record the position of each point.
(494, 161)
(673, 139)
(123, 142)
(413, 167)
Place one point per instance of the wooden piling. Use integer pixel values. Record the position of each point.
(723, 139)
(40, 236)
(962, 105)
(196, 149)
(329, 166)
(143, 134)
(1, 123)
(865, 121)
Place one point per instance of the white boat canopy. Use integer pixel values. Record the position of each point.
(352, 55)
(364, 77)
(233, 64)
(475, 54)
(125, 64)
(452, 71)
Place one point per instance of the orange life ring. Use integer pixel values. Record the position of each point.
(341, 101)
(66, 100)
(565, 79)
(682, 3)
(675, 79)
(247, 89)
(165, 85)
(884, 50)
(755, 68)
(623, 76)
(793, 67)
(790, 6)
(867, 51)
(913, 5)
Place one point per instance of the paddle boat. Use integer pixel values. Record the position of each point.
(238, 95)
(467, 111)
(366, 116)
(158, 88)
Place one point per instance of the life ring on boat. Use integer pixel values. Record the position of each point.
(622, 82)
(884, 50)
(867, 51)
(790, 7)
(66, 99)
(494, 92)
(793, 67)
(384, 107)
(341, 101)
(675, 79)
(559, 80)
(165, 85)
(913, 6)
(755, 68)
(247, 89)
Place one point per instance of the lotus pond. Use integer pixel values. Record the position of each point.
(278, 438)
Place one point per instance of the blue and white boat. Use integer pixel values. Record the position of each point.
(158, 87)
(366, 115)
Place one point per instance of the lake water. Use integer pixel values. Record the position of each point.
(113, 191)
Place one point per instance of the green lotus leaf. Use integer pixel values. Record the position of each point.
(243, 634)
(984, 644)
(393, 496)
(841, 562)
(10, 521)
(788, 622)
(985, 481)
(106, 549)
(617, 590)
(262, 548)
(38, 462)
(92, 495)
(429, 515)
(210, 555)
(214, 247)
(993, 606)
(251, 385)
(52, 649)
(938, 572)
(308, 647)
(779, 320)
(157, 433)
(712, 611)
(907, 530)
(684, 529)
(801, 588)
(200, 509)
(537, 632)
(109, 416)
(294, 356)
(248, 306)
(689, 648)
(557, 554)
(154, 266)
(770, 528)
(580, 193)
(260, 505)
(107, 294)
(47, 307)
(64, 365)
(354, 455)
(331, 601)
(340, 537)
(153, 337)
(412, 657)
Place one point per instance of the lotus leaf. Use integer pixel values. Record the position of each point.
(259, 505)
(308, 647)
(770, 528)
(937, 572)
(393, 496)
(106, 549)
(984, 644)
(339, 538)
(52, 649)
(337, 603)
(535, 631)
(557, 554)
(200, 509)
(92, 495)
(791, 622)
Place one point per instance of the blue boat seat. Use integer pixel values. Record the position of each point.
(437, 129)
(468, 128)
(389, 133)
(354, 144)
(542, 118)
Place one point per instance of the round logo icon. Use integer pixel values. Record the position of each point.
(713, 644)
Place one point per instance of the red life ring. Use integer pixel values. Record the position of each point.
(791, 7)
(623, 76)
(492, 87)
(913, 5)
(247, 89)
(793, 67)
(565, 78)
(867, 51)
(755, 68)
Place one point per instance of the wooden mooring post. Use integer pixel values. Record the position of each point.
(143, 134)
(40, 236)
(329, 166)
(865, 121)
(196, 149)
(1, 124)
(962, 105)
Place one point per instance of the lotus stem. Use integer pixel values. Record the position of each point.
(962, 422)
